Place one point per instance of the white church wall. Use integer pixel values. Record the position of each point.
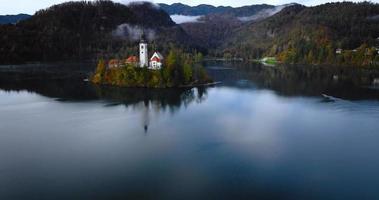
(144, 56)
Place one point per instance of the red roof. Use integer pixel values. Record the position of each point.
(132, 59)
(155, 59)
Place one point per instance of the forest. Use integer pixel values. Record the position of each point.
(312, 35)
(343, 33)
(84, 30)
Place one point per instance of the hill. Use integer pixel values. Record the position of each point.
(291, 33)
(211, 32)
(12, 19)
(215, 24)
(301, 34)
(84, 30)
(204, 9)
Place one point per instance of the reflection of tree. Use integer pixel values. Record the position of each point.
(150, 101)
(171, 99)
(61, 80)
(201, 94)
(68, 86)
(292, 80)
(63, 88)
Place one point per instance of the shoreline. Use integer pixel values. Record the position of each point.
(240, 60)
(146, 87)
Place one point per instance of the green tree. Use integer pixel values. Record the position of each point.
(199, 57)
(187, 73)
(310, 57)
(100, 72)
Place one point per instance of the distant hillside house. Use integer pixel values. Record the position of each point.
(338, 51)
(156, 61)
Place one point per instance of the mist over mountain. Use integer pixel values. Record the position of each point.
(85, 30)
(209, 26)
(293, 33)
(300, 34)
(203, 9)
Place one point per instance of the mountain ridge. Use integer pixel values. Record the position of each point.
(12, 19)
(212, 29)
(292, 33)
(311, 35)
(205, 9)
(84, 30)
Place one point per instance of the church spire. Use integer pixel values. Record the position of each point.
(143, 37)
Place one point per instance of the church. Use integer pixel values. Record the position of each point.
(155, 62)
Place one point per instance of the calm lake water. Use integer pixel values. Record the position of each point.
(264, 133)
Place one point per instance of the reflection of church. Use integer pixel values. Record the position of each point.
(167, 99)
(146, 116)
(151, 104)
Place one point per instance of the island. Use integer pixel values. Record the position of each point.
(179, 69)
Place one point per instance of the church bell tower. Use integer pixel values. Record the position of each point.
(143, 52)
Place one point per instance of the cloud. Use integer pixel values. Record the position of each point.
(133, 2)
(180, 19)
(133, 33)
(373, 18)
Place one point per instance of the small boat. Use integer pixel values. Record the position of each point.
(375, 82)
(327, 98)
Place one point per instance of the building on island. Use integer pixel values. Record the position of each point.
(114, 63)
(132, 60)
(156, 61)
(338, 51)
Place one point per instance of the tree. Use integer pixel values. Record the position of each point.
(100, 72)
(187, 73)
(199, 57)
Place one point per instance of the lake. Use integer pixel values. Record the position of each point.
(284, 132)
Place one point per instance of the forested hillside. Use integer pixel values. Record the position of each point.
(301, 34)
(217, 23)
(212, 31)
(182, 9)
(84, 30)
(334, 33)
(204, 9)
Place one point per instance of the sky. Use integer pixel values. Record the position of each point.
(31, 6)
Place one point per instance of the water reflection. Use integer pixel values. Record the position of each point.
(151, 102)
(68, 86)
(66, 82)
(346, 83)
(259, 135)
